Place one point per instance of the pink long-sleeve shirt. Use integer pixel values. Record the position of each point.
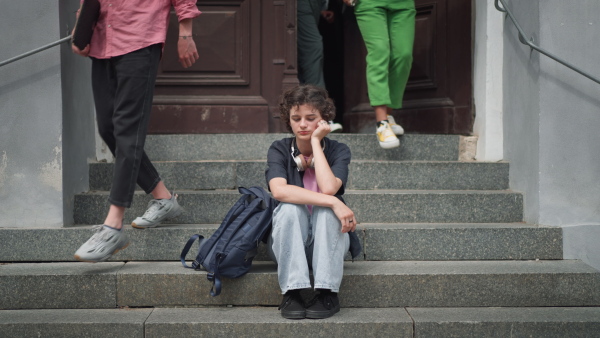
(128, 25)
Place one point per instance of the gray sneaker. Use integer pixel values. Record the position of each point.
(158, 211)
(103, 244)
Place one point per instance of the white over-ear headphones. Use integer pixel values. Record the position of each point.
(299, 159)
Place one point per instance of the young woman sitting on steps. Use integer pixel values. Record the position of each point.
(312, 226)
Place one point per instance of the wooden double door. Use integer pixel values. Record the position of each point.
(248, 57)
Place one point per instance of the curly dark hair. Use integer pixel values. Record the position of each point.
(314, 96)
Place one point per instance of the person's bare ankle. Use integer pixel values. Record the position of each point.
(161, 192)
(114, 225)
(162, 196)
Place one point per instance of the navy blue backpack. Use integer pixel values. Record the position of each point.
(230, 250)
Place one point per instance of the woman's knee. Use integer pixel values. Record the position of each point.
(287, 210)
(402, 56)
(290, 219)
(324, 210)
(379, 50)
(325, 217)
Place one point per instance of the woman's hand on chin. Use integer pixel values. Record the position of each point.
(322, 130)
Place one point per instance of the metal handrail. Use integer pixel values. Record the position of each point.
(37, 50)
(505, 9)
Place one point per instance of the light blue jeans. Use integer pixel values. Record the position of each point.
(300, 241)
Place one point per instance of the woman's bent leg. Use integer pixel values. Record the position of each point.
(328, 250)
(287, 246)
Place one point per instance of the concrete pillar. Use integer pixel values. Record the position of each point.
(488, 67)
(42, 119)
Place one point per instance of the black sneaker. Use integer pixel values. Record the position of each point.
(324, 305)
(292, 305)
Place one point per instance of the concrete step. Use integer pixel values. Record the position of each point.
(366, 284)
(373, 206)
(199, 147)
(399, 241)
(266, 322)
(204, 322)
(364, 175)
(506, 322)
(491, 241)
(74, 323)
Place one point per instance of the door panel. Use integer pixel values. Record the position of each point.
(423, 72)
(223, 35)
(232, 88)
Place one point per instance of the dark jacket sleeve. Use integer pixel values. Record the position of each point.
(339, 160)
(276, 162)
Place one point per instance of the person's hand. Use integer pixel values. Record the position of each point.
(329, 16)
(84, 52)
(323, 128)
(346, 216)
(188, 54)
(349, 2)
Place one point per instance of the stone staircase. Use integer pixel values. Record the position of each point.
(446, 254)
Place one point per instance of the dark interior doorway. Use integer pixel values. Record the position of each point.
(333, 50)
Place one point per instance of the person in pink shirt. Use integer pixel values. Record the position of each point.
(125, 49)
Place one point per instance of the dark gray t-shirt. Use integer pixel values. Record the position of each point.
(281, 162)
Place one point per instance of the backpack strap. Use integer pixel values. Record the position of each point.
(215, 278)
(245, 191)
(186, 249)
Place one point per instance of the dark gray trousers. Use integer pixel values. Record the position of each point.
(310, 43)
(123, 89)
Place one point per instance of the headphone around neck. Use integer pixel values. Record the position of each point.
(299, 159)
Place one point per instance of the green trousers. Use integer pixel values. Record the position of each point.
(388, 28)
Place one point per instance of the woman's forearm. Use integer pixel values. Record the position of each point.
(288, 193)
(185, 27)
(326, 180)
